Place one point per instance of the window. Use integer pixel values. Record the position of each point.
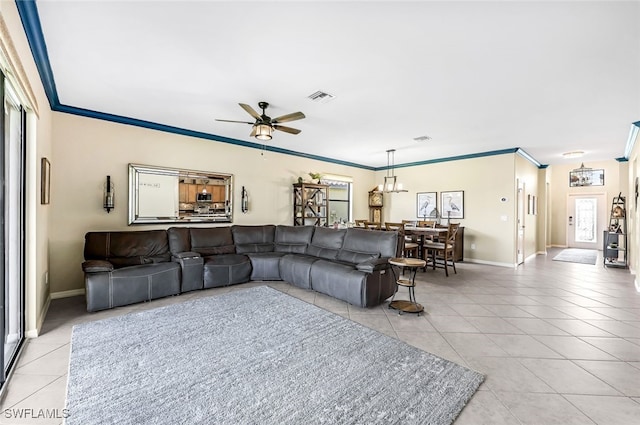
(340, 210)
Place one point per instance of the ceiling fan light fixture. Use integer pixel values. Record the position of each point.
(263, 132)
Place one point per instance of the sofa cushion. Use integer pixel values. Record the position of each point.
(340, 281)
(265, 265)
(355, 257)
(97, 266)
(293, 239)
(226, 269)
(296, 269)
(253, 238)
(378, 242)
(128, 248)
(212, 241)
(326, 242)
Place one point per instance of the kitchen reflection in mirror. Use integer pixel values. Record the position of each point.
(172, 195)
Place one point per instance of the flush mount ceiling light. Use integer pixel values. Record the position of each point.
(422, 138)
(573, 154)
(391, 184)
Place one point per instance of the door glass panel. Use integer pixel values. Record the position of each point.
(12, 249)
(586, 217)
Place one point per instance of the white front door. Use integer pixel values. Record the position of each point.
(586, 221)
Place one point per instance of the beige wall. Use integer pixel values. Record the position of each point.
(616, 181)
(484, 181)
(87, 150)
(25, 78)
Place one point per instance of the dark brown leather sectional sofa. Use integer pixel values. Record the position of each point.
(134, 266)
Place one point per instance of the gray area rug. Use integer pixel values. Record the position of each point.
(255, 356)
(575, 255)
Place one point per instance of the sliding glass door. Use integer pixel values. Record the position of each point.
(12, 227)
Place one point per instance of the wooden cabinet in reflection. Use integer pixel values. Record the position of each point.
(188, 192)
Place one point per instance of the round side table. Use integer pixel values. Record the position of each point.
(411, 305)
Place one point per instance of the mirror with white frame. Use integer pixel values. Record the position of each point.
(173, 195)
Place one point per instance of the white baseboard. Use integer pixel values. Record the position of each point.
(541, 253)
(67, 294)
(33, 333)
(532, 256)
(490, 263)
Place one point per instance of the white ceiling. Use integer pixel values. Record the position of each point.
(547, 77)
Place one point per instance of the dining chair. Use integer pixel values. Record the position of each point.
(441, 254)
(373, 225)
(429, 223)
(408, 248)
(426, 223)
(360, 223)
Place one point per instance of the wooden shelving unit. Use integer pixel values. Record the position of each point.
(310, 204)
(615, 237)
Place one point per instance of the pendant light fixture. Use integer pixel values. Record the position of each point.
(391, 184)
(582, 176)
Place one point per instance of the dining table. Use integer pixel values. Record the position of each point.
(423, 232)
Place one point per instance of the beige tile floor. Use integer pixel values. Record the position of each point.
(558, 342)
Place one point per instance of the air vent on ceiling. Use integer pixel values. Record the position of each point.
(422, 138)
(321, 97)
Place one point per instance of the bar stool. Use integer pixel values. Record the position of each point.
(411, 305)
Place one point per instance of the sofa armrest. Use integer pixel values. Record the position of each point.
(184, 255)
(373, 265)
(97, 266)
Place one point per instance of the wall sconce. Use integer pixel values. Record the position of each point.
(108, 195)
(245, 200)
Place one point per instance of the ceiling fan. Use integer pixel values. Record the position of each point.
(265, 125)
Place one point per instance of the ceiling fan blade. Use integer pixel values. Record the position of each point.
(289, 117)
(242, 122)
(287, 129)
(250, 110)
(253, 132)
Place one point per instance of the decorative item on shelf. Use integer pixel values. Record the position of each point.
(245, 201)
(618, 212)
(316, 176)
(390, 183)
(300, 180)
(108, 195)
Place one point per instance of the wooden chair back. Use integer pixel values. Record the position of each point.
(451, 234)
(373, 225)
(427, 223)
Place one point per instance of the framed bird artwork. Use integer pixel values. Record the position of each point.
(452, 204)
(427, 205)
